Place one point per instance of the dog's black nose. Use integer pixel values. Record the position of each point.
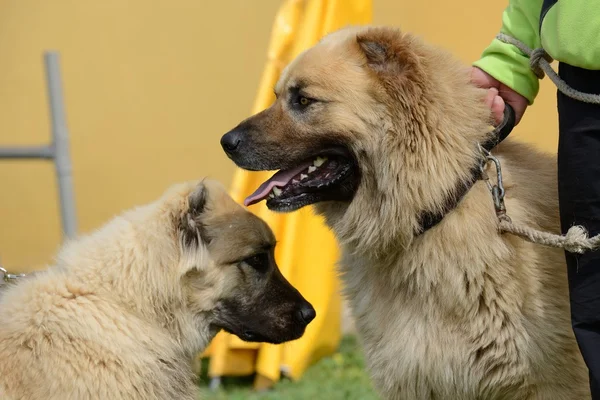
(305, 314)
(231, 140)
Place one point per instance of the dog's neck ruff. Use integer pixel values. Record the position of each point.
(429, 219)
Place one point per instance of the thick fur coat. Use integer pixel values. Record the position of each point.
(460, 311)
(123, 311)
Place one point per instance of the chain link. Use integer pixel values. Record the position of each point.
(8, 277)
(496, 190)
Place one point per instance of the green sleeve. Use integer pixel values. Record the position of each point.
(507, 63)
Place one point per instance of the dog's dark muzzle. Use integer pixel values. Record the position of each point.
(234, 144)
(254, 150)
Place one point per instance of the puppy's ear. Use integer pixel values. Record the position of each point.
(387, 51)
(197, 199)
(192, 228)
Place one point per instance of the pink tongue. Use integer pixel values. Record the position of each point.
(280, 179)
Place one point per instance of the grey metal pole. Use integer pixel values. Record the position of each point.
(27, 152)
(60, 143)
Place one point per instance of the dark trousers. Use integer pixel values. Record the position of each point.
(579, 197)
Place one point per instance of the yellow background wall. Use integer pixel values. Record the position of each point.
(151, 86)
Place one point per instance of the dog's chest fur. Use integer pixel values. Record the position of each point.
(465, 316)
(87, 339)
(414, 348)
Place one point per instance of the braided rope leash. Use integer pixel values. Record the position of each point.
(576, 240)
(539, 61)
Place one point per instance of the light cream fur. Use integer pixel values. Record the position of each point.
(466, 313)
(123, 311)
(460, 312)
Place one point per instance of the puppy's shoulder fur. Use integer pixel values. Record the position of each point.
(105, 309)
(124, 311)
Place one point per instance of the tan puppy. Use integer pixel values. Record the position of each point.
(124, 310)
(381, 131)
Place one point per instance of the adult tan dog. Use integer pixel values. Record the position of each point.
(124, 310)
(381, 132)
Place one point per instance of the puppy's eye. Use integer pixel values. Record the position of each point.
(259, 262)
(304, 101)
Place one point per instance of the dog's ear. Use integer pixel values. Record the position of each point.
(387, 51)
(191, 224)
(375, 52)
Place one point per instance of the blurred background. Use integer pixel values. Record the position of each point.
(150, 86)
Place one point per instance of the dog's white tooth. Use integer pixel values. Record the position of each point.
(271, 195)
(295, 181)
(319, 161)
(303, 177)
(276, 191)
(311, 169)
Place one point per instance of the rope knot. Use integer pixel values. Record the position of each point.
(577, 240)
(534, 62)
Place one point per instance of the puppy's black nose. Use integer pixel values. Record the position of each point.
(305, 314)
(231, 140)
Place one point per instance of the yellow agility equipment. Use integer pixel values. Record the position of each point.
(306, 251)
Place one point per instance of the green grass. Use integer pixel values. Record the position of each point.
(340, 377)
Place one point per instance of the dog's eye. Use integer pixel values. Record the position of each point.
(301, 102)
(259, 262)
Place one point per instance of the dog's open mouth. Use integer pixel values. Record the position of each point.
(328, 177)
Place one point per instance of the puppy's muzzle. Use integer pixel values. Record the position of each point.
(305, 314)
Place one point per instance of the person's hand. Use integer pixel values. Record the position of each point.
(498, 94)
